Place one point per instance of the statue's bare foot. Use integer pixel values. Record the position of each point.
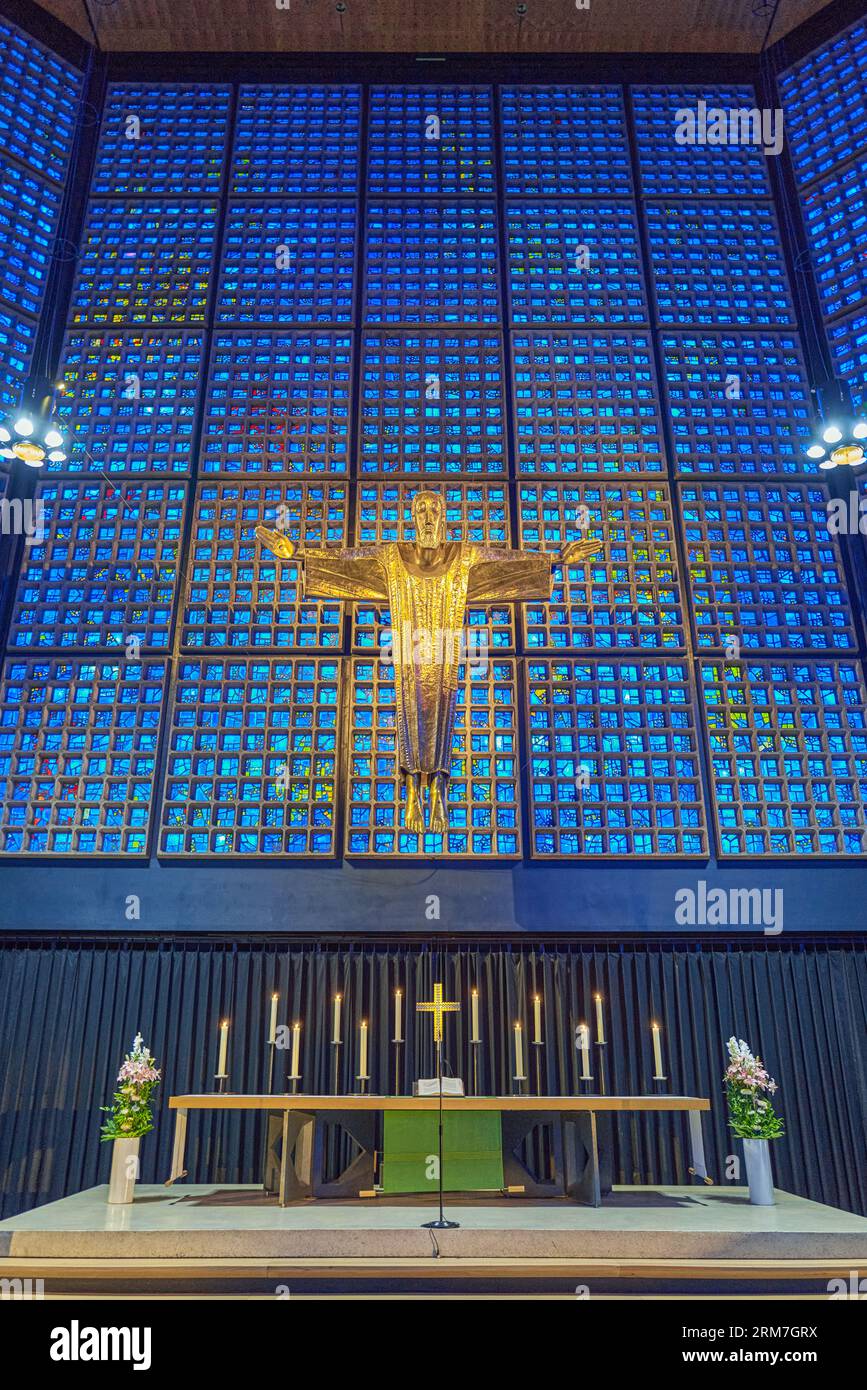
(439, 820)
(414, 816)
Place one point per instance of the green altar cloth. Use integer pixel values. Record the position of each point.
(472, 1151)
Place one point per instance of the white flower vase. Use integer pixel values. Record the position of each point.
(124, 1170)
(757, 1153)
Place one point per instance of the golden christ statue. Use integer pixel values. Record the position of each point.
(427, 584)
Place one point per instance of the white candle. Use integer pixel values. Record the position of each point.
(224, 1047)
(335, 1031)
(537, 1019)
(657, 1053)
(584, 1044)
(398, 1017)
(272, 1026)
(362, 1069)
(296, 1046)
(600, 1031)
(474, 1034)
(519, 1052)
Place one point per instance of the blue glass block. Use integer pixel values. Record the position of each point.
(145, 263)
(278, 403)
(484, 787)
(297, 140)
(586, 403)
(574, 264)
(432, 404)
(430, 139)
(475, 513)
(823, 99)
(252, 757)
(848, 339)
(739, 402)
(129, 401)
(626, 597)
(39, 95)
(29, 211)
(287, 263)
(613, 759)
(718, 264)
(79, 745)
(17, 336)
(835, 212)
(788, 751)
(239, 594)
(100, 569)
(166, 139)
(764, 571)
(431, 263)
(737, 169)
(564, 142)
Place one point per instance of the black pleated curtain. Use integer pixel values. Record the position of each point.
(69, 1010)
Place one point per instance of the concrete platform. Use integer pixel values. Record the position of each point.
(207, 1222)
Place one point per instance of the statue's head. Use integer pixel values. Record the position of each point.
(429, 519)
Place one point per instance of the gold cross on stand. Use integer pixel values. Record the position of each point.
(438, 1006)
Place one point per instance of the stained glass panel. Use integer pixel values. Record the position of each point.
(287, 262)
(764, 569)
(692, 165)
(563, 142)
(739, 402)
(431, 263)
(823, 95)
(278, 403)
(718, 263)
(430, 139)
(576, 263)
(317, 149)
(613, 761)
(432, 403)
(239, 594)
(166, 139)
(788, 744)
(129, 401)
(38, 103)
(145, 262)
(586, 403)
(628, 596)
(835, 212)
(848, 339)
(102, 568)
(78, 754)
(252, 757)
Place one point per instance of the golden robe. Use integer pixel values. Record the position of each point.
(427, 608)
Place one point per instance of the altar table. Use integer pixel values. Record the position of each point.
(293, 1125)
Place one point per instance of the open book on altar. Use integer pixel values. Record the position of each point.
(452, 1086)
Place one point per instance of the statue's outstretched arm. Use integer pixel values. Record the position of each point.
(332, 573)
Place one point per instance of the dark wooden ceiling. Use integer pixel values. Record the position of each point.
(419, 26)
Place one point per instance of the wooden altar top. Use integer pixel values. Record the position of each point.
(555, 1104)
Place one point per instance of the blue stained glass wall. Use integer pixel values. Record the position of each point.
(825, 108)
(296, 303)
(39, 96)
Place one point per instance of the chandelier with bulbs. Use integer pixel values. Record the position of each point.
(840, 444)
(32, 433)
(840, 437)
